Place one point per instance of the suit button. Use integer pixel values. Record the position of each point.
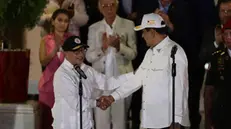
(104, 62)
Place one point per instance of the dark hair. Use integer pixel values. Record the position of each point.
(54, 16)
(223, 1)
(60, 11)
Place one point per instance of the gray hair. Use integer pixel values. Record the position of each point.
(117, 2)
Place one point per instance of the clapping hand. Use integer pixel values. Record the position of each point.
(104, 102)
(71, 10)
(113, 41)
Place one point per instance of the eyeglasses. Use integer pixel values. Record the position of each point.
(105, 6)
(81, 50)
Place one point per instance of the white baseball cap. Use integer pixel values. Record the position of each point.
(151, 20)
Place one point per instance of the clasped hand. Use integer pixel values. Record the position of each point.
(104, 102)
(113, 41)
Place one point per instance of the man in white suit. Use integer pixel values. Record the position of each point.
(111, 32)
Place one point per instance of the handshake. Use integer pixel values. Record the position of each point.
(104, 102)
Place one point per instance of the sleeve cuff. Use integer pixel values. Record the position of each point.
(92, 103)
(115, 95)
(178, 119)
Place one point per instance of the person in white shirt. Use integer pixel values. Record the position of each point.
(113, 32)
(154, 75)
(66, 109)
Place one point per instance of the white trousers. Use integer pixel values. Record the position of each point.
(114, 116)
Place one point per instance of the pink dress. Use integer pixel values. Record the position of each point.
(46, 91)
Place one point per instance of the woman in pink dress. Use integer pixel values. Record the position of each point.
(51, 57)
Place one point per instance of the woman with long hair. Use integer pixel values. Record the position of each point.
(51, 57)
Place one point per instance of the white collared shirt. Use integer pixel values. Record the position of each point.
(110, 29)
(154, 74)
(66, 90)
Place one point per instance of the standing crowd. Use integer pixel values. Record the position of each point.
(125, 49)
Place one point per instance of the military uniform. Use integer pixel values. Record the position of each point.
(218, 78)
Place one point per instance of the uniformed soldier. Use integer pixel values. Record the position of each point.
(217, 90)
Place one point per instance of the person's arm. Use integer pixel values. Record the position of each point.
(111, 83)
(127, 88)
(129, 51)
(45, 58)
(94, 52)
(181, 84)
(48, 11)
(80, 17)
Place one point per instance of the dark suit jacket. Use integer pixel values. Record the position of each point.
(185, 31)
(208, 47)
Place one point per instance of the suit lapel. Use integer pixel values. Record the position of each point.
(117, 25)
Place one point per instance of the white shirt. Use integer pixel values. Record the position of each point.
(154, 74)
(110, 29)
(66, 89)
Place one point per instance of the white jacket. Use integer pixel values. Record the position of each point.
(127, 52)
(66, 109)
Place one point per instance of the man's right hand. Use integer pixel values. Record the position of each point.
(104, 102)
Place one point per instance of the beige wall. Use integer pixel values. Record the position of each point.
(32, 41)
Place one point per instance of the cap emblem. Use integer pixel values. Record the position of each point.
(151, 22)
(77, 41)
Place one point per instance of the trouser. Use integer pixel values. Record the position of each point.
(195, 85)
(135, 108)
(114, 117)
(46, 118)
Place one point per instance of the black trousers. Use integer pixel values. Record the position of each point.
(195, 85)
(135, 108)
